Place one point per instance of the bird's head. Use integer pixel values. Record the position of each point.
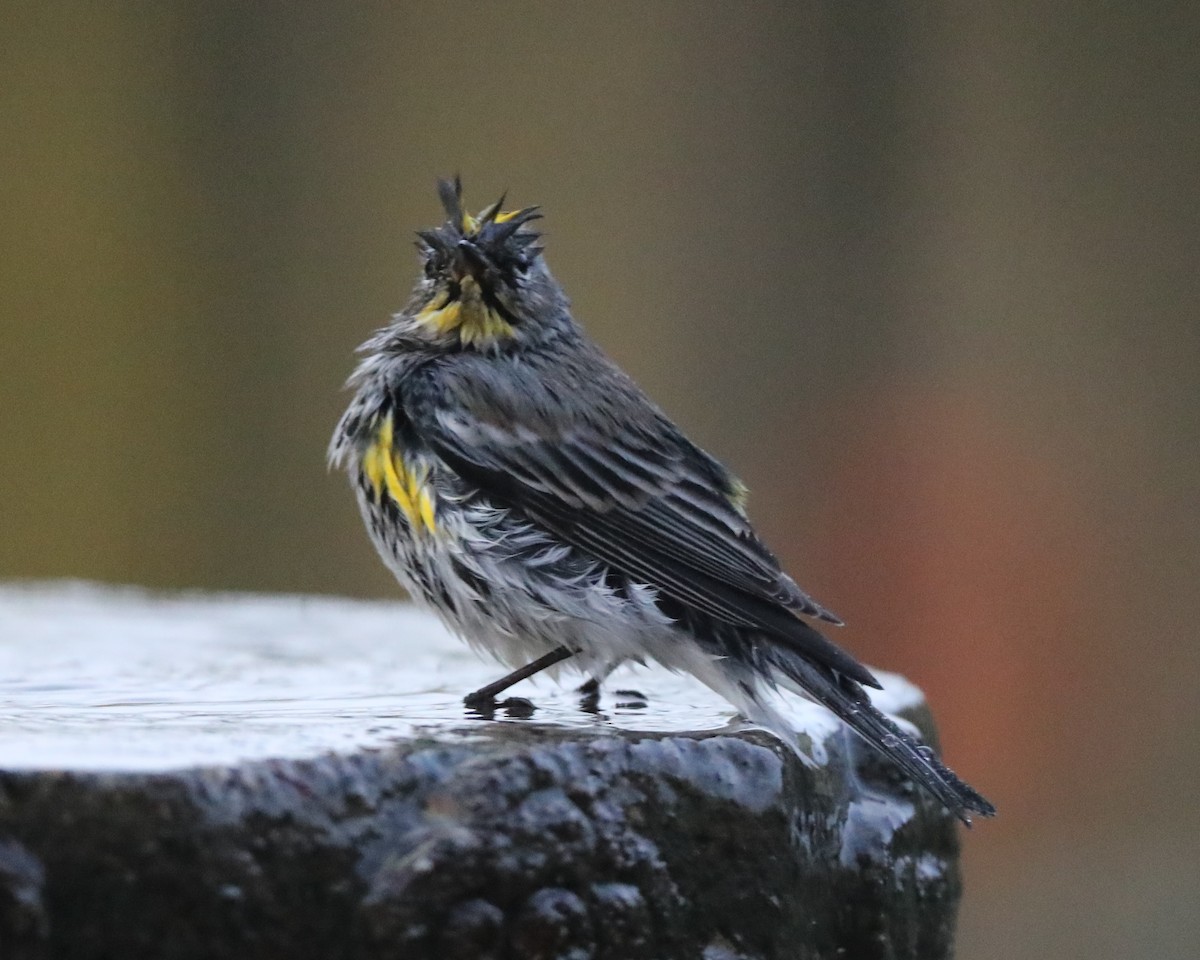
(484, 284)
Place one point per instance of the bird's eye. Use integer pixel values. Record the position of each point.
(431, 268)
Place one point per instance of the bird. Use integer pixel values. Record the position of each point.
(520, 484)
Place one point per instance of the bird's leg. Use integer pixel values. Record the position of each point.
(486, 695)
(589, 690)
(591, 686)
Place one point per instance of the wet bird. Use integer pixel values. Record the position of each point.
(520, 484)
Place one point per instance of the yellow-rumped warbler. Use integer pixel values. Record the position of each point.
(521, 485)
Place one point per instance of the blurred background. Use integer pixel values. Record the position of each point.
(925, 275)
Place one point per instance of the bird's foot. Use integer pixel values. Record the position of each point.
(480, 699)
(483, 706)
(519, 708)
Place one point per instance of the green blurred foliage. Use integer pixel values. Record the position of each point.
(925, 275)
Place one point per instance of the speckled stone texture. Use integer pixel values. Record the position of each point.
(477, 840)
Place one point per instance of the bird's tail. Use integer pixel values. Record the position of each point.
(849, 701)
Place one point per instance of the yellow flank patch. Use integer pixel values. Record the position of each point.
(473, 319)
(408, 487)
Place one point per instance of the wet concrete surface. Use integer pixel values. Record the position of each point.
(211, 776)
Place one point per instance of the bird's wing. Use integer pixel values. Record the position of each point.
(604, 470)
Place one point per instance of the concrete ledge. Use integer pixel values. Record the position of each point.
(295, 777)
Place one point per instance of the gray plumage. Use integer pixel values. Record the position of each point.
(521, 485)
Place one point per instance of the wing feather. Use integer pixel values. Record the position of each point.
(618, 480)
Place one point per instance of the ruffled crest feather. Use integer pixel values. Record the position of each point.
(503, 234)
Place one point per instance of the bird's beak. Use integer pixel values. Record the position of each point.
(469, 261)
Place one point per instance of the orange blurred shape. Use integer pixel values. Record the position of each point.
(961, 557)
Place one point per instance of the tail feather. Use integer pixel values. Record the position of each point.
(849, 701)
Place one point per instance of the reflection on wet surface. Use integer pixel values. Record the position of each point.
(110, 678)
